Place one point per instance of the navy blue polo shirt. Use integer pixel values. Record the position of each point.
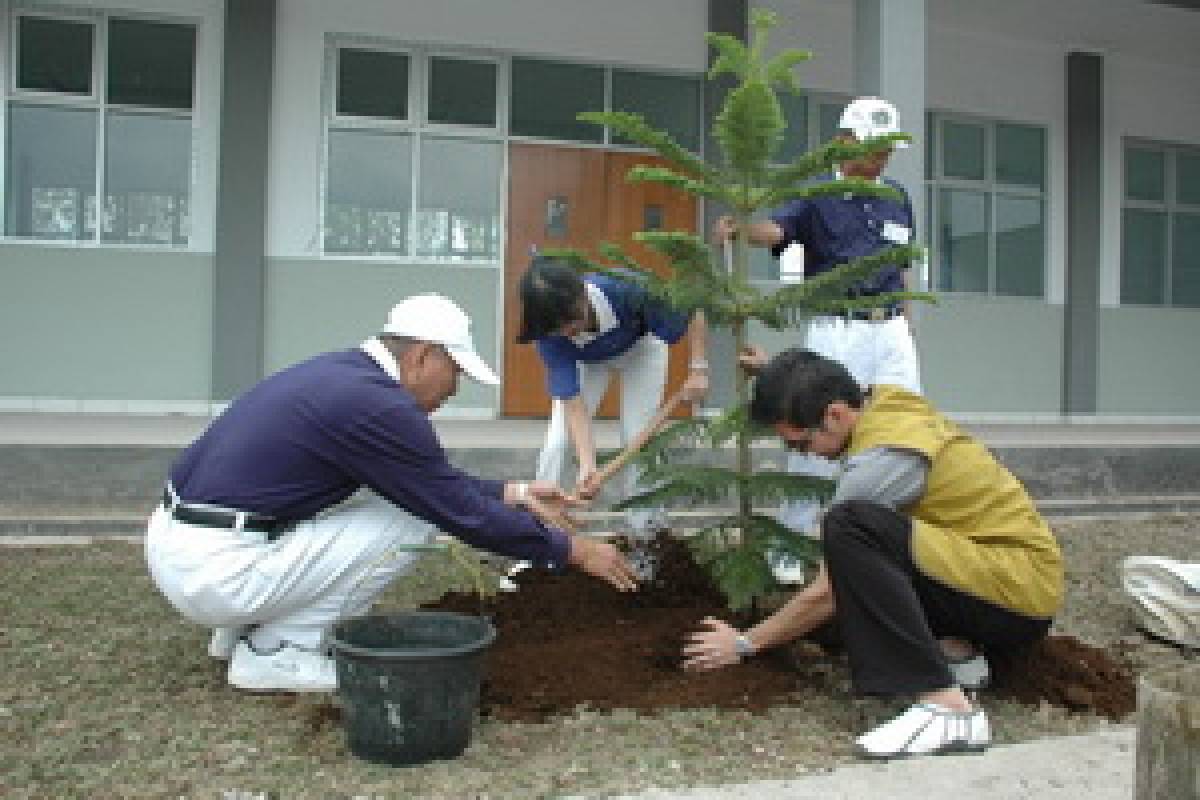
(308, 437)
(635, 312)
(838, 229)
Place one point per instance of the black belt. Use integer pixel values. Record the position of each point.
(880, 314)
(214, 518)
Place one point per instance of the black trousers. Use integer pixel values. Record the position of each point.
(891, 615)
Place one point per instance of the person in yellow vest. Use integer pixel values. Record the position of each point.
(934, 554)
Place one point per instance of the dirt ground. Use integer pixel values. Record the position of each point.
(567, 641)
(109, 693)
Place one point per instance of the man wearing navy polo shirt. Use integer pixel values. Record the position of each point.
(588, 329)
(294, 508)
(875, 346)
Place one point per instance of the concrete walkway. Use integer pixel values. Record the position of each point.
(1094, 766)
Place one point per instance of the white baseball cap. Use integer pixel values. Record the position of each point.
(867, 117)
(434, 318)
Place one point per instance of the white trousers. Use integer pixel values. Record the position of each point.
(643, 371)
(294, 588)
(874, 353)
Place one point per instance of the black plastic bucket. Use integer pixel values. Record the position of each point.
(409, 683)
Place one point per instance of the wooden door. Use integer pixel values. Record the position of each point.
(576, 197)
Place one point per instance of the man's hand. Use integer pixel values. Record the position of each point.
(752, 359)
(696, 385)
(588, 485)
(545, 501)
(724, 229)
(604, 561)
(712, 648)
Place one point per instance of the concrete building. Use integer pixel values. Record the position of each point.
(273, 174)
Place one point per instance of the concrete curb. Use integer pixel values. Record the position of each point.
(1096, 766)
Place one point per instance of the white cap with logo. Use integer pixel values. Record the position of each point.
(434, 318)
(867, 117)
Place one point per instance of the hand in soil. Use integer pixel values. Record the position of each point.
(711, 648)
(604, 561)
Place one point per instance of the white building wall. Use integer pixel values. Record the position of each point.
(145, 313)
(826, 29)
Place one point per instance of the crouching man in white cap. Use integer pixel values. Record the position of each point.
(293, 509)
(876, 345)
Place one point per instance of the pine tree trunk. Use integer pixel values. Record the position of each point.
(1168, 735)
(742, 381)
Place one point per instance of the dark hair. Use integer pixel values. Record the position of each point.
(797, 386)
(550, 293)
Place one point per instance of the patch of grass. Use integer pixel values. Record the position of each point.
(107, 692)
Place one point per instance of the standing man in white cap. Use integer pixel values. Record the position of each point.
(876, 346)
(293, 509)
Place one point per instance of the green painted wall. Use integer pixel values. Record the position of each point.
(105, 324)
(977, 355)
(1147, 361)
(1000, 355)
(318, 305)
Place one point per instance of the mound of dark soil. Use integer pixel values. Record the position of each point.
(569, 641)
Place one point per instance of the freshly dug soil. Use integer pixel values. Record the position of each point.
(568, 642)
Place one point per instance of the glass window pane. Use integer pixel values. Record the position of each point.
(1020, 155)
(458, 214)
(1145, 175)
(1187, 178)
(368, 197)
(147, 177)
(1185, 269)
(962, 151)
(372, 83)
(827, 120)
(151, 63)
(962, 241)
(1143, 256)
(669, 103)
(547, 95)
(51, 173)
(795, 135)
(462, 92)
(54, 55)
(762, 266)
(1020, 246)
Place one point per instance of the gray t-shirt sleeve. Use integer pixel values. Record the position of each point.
(883, 475)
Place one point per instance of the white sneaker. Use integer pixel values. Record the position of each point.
(223, 641)
(971, 672)
(927, 729)
(288, 669)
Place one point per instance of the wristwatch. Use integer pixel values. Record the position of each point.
(743, 646)
(698, 364)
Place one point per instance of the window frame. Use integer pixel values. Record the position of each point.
(936, 180)
(1170, 207)
(417, 126)
(96, 101)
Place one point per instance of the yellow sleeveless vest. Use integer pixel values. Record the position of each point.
(975, 527)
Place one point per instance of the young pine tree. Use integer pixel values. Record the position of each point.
(744, 180)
